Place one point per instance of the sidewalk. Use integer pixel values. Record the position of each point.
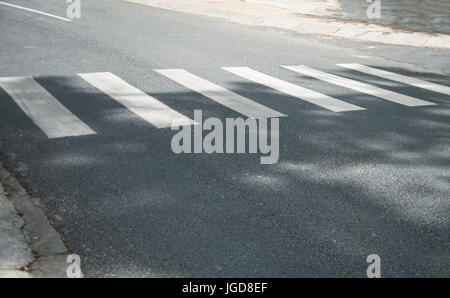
(15, 254)
(259, 14)
(306, 7)
(29, 245)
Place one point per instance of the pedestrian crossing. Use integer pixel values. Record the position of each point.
(220, 95)
(360, 87)
(57, 121)
(148, 108)
(54, 119)
(398, 78)
(313, 97)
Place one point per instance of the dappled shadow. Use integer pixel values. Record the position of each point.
(346, 185)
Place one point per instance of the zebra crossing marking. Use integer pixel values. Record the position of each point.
(360, 87)
(145, 106)
(397, 77)
(219, 94)
(54, 119)
(310, 96)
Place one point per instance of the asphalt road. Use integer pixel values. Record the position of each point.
(347, 184)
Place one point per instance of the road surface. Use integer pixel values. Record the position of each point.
(364, 155)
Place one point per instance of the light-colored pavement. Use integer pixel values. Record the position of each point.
(15, 253)
(311, 7)
(258, 14)
(29, 245)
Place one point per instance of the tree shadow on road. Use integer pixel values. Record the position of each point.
(347, 185)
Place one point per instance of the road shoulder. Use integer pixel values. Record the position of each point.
(29, 245)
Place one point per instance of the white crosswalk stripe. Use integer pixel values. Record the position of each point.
(145, 106)
(54, 119)
(219, 94)
(360, 87)
(310, 96)
(398, 78)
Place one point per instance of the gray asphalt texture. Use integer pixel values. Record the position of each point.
(347, 184)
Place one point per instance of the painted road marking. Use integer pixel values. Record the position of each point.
(220, 95)
(360, 87)
(310, 96)
(148, 108)
(54, 119)
(35, 11)
(398, 78)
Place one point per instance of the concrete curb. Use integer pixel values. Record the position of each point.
(42, 252)
(15, 254)
(255, 14)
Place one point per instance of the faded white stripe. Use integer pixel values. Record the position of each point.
(148, 108)
(360, 87)
(35, 11)
(219, 94)
(47, 112)
(310, 96)
(398, 78)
